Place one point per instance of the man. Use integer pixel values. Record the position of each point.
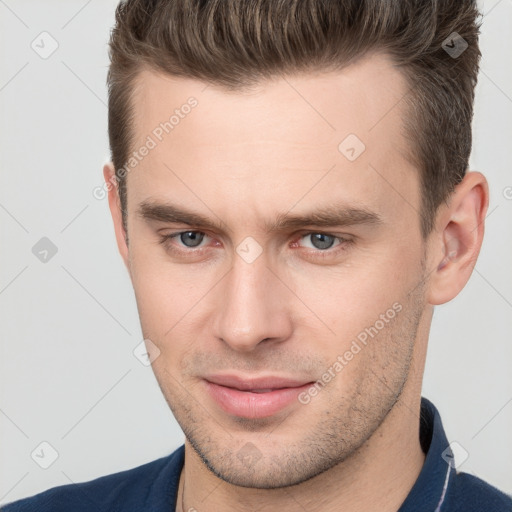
(290, 195)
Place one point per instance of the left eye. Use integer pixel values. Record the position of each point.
(321, 241)
(194, 237)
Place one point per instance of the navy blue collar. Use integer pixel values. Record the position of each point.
(432, 486)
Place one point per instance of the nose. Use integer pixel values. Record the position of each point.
(253, 306)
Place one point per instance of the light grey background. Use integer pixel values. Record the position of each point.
(69, 326)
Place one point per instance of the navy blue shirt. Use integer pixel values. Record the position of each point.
(153, 486)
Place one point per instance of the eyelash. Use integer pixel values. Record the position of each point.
(344, 244)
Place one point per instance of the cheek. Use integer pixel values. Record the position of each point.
(347, 299)
(168, 295)
(158, 290)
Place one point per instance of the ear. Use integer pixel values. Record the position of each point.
(114, 204)
(458, 237)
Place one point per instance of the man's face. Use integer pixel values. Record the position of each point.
(248, 312)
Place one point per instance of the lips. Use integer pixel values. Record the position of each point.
(254, 397)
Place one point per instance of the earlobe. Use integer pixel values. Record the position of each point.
(460, 226)
(116, 210)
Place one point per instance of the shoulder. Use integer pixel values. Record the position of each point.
(132, 489)
(471, 493)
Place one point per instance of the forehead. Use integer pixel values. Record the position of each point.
(355, 99)
(278, 134)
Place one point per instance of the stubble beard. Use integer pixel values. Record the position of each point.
(317, 445)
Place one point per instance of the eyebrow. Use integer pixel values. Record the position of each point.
(327, 217)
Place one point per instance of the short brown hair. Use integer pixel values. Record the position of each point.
(236, 43)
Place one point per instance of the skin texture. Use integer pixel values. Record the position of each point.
(241, 159)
